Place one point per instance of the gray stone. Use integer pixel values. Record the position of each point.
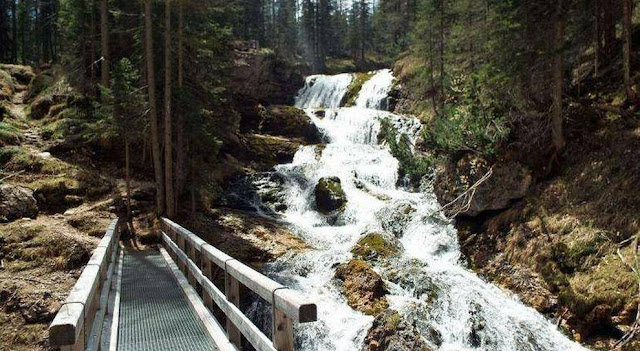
(16, 202)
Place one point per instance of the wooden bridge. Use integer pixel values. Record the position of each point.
(167, 299)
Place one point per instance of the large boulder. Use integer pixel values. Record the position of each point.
(391, 332)
(289, 121)
(374, 246)
(363, 287)
(16, 202)
(330, 197)
(503, 183)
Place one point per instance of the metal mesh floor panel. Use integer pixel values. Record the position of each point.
(154, 312)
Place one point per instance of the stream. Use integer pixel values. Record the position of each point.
(429, 282)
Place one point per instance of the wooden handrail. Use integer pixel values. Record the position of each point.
(73, 327)
(196, 258)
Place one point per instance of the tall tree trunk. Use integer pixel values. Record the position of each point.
(626, 48)
(558, 69)
(180, 125)
(23, 36)
(598, 35)
(153, 115)
(92, 41)
(442, 9)
(104, 40)
(168, 145)
(14, 48)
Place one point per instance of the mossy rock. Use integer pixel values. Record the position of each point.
(390, 331)
(290, 122)
(6, 85)
(374, 246)
(9, 134)
(354, 88)
(21, 74)
(330, 196)
(363, 287)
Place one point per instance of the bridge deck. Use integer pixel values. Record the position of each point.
(155, 313)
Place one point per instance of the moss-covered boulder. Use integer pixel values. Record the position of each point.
(6, 85)
(390, 331)
(290, 122)
(354, 88)
(330, 197)
(374, 246)
(363, 287)
(21, 74)
(16, 202)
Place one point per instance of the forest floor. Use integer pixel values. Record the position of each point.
(42, 257)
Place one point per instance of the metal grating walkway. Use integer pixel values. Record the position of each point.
(154, 312)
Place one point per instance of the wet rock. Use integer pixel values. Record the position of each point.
(374, 246)
(396, 218)
(320, 113)
(363, 287)
(16, 202)
(391, 332)
(329, 195)
(509, 181)
(257, 191)
(290, 122)
(262, 152)
(410, 276)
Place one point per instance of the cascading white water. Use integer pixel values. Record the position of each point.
(467, 313)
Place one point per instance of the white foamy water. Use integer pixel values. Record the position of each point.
(467, 313)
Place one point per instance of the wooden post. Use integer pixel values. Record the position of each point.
(207, 271)
(282, 331)
(191, 253)
(232, 291)
(181, 242)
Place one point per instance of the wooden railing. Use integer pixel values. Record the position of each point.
(78, 324)
(197, 260)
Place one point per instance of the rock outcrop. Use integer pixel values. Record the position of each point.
(391, 332)
(17, 202)
(363, 287)
(504, 183)
(288, 121)
(330, 197)
(260, 75)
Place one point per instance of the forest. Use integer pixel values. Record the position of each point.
(444, 174)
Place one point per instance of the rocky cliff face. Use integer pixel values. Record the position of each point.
(261, 76)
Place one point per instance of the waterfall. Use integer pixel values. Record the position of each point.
(467, 312)
(323, 91)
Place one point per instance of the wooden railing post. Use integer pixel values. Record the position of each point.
(207, 271)
(282, 331)
(191, 253)
(232, 291)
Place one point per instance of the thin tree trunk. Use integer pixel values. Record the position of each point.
(168, 149)
(92, 41)
(558, 62)
(153, 115)
(598, 35)
(180, 125)
(626, 48)
(442, 51)
(14, 49)
(104, 39)
(127, 179)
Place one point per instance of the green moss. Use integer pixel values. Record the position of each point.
(354, 88)
(9, 134)
(6, 85)
(374, 245)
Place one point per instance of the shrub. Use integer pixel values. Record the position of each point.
(412, 166)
